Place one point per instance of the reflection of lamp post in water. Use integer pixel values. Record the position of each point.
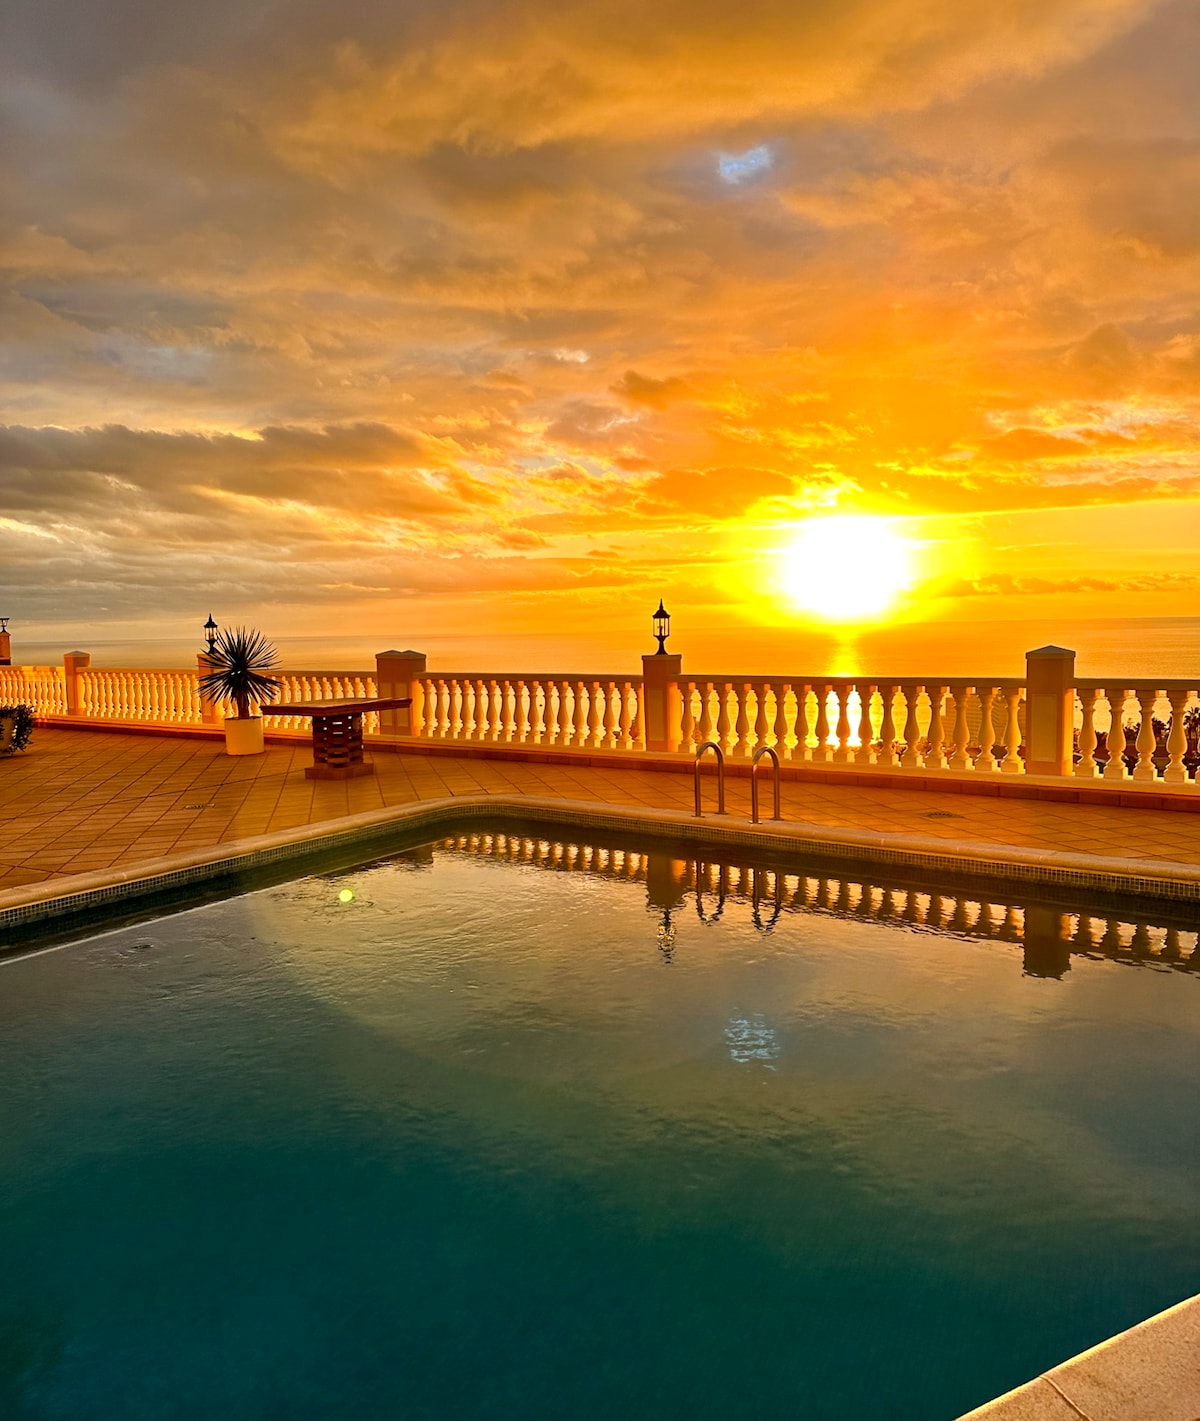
(665, 889)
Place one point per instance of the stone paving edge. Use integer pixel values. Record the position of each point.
(1028, 867)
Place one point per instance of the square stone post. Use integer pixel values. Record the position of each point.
(662, 701)
(5, 648)
(73, 663)
(209, 713)
(399, 673)
(1049, 711)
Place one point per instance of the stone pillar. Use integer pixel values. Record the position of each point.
(5, 648)
(662, 701)
(1049, 711)
(73, 663)
(209, 713)
(400, 673)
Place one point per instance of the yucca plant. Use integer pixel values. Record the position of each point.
(240, 660)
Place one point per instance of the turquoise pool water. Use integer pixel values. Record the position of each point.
(455, 1136)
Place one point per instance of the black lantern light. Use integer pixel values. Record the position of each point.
(210, 632)
(662, 628)
(3, 624)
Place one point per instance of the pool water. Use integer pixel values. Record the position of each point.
(454, 1136)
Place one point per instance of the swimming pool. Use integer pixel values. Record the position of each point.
(508, 1126)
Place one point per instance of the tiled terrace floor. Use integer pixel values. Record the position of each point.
(80, 801)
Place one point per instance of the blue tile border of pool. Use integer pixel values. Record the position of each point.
(43, 903)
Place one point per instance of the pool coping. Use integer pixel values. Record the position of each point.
(1147, 1373)
(1029, 868)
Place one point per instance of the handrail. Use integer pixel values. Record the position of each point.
(755, 900)
(710, 745)
(758, 754)
(722, 886)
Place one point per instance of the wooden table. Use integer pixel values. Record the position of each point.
(337, 734)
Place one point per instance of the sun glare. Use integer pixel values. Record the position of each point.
(848, 568)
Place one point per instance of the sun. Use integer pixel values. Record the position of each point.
(847, 568)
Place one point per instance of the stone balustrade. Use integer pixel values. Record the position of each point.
(904, 723)
(41, 688)
(142, 696)
(1048, 722)
(565, 710)
(300, 686)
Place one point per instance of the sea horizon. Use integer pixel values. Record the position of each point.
(1134, 647)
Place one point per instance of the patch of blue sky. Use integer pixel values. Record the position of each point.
(738, 167)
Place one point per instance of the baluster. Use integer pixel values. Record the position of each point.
(556, 710)
(527, 711)
(821, 750)
(506, 710)
(760, 714)
(935, 754)
(582, 711)
(637, 730)
(865, 754)
(911, 759)
(1086, 768)
(985, 761)
(1144, 770)
(625, 718)
(1176, 771)
(1012, 763)
(802, 750)
(687, 724)
(843, 752)
(779, 690)
(741, 726)
(1115, 769)
(593, 716)
(723, 715)
(705, 711)
(887, 728)
(611, 716)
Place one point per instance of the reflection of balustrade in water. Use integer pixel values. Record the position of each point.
(1050, 936)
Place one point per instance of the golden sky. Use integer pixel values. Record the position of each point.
(366, 314)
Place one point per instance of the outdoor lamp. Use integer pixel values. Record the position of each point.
(3, 624)
(210, 632)
(662, 628)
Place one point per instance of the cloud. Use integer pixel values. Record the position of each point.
(369, 296)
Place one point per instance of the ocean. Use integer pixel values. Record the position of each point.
(1133, 647)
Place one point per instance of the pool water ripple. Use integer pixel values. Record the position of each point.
(485, 1141)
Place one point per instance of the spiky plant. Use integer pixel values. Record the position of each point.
(240, 659)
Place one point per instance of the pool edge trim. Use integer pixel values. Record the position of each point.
(60, 897)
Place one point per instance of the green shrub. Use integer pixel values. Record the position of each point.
(22, 721)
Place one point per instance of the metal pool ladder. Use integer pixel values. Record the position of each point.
(720, 754)
(758, 754)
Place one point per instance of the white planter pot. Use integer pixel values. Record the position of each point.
(244, 735)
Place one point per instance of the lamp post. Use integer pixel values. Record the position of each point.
(210, 633)
(662, 628)
(5, 643)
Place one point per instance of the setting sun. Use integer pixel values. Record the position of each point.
(847, 568)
